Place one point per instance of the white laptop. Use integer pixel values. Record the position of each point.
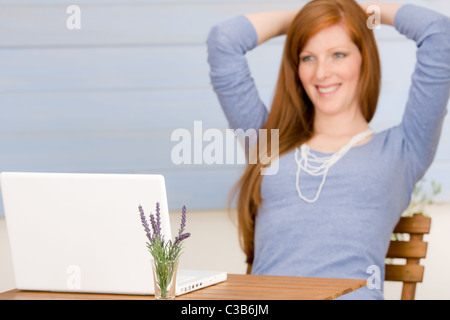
(82, 232)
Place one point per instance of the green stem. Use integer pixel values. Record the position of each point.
(164, 273)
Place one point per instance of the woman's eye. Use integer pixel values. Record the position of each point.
(306, 58)
(339, 55)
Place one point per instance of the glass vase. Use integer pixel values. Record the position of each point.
(165, 278)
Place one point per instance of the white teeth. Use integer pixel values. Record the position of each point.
(328, 89)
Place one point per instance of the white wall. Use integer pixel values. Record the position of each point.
(214, 246)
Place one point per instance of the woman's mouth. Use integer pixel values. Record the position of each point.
(328, 90)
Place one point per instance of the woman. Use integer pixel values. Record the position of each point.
(340, 189)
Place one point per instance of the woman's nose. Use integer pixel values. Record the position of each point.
(323, 70)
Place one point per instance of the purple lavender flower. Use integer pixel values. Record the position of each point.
(158, 246)
(158, 219)
(183, 220)
(176, 248)
(181, 237)
(152, 221)
(145, 224)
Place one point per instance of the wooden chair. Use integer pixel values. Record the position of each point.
(413, 250)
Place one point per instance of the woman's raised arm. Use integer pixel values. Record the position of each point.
(271, 24)
(428, 96)
(228, 42)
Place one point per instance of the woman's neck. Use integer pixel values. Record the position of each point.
(333, 132)
(340, 125)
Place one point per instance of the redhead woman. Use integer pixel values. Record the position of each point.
(340, 187)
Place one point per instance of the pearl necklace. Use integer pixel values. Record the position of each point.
(317, 166)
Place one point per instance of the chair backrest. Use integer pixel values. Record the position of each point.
(413, 250)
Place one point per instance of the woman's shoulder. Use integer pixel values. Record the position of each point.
(393, 132)
(388, 138)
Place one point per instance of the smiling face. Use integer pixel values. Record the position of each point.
(329, 69)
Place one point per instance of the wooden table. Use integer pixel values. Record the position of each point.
(237, 287)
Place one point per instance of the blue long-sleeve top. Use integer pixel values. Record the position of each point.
(347, 230)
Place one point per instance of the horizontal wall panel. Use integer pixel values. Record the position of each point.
(103, 68)
(108, 111)
(118, 151)
(113, 25)
(143, 68)
(112, 110)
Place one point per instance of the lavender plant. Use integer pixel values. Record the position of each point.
(163, 252)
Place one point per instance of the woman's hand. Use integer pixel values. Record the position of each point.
(387, 11)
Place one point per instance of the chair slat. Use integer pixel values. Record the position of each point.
(406, 273)
(416, 224)
(407, 249)
(413, 250)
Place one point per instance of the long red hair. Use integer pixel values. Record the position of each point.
(292, 112)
